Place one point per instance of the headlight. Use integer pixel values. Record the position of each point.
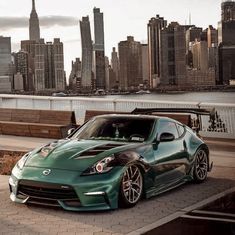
(22, 161)
(100, 167)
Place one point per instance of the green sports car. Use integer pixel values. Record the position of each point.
(111, 161)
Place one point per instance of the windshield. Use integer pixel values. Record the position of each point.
(116, 128)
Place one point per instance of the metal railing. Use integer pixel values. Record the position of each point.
(222, 127)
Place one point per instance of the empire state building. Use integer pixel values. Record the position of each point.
(34, 30)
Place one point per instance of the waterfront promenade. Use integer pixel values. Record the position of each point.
(223, 126)
(22, 219)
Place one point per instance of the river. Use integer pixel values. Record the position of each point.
(210, 97)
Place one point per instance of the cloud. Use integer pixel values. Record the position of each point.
(8, 23)
(13, 22)
(66, 21)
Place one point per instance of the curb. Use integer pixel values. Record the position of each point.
(181, 212)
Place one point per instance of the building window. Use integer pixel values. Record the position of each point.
(171, 70)
(171, 42)
(171, 56)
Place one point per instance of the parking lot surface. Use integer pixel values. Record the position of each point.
(23, 219)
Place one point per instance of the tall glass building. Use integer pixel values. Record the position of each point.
(5, 64)
(99, 49)
(87, 50)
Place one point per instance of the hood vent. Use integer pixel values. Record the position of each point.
(99, 149)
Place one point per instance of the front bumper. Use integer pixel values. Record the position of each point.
(66, 189)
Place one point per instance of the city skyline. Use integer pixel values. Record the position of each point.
(55, 23)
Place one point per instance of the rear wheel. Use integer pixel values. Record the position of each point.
(201, 166)
(131, 186)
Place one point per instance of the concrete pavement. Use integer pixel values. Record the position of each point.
(23, 219)
(21, 143)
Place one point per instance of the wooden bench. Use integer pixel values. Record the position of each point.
(183, 118)
(36, 123)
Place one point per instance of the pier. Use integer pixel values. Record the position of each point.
(224, 126)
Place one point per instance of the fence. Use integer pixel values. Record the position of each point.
(222, 127)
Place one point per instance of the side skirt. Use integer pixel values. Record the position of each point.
(156, 191)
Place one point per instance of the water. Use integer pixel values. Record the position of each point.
(209, 97)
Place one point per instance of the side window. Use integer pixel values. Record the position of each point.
(180, 129)
(169, 127)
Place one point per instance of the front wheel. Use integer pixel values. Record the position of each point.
(201, 166)
(131, 187)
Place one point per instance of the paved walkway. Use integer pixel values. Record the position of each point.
(20, 143)
(22, 219)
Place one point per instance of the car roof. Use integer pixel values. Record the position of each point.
(137, 116)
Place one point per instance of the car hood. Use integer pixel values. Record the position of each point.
(75, 155)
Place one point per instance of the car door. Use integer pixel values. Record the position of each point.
(170, 156)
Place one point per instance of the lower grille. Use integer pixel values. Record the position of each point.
(46, 190)
(44, 202)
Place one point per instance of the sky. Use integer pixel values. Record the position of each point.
(60, 18)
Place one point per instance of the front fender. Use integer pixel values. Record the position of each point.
(129, 157)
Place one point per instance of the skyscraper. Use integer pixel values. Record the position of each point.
(99, 49)
(49, 65)
(212, 40)
(22, 67)
(29, 47)
(39, 63)
(172, 58)
(212, 37)
(200, 55)
(5, 55)
(58, 64)
(226, 38)
(5, 64)
(113, 85)
(155, 26)
(87, 51)
(34, 29)
(192, 34)
(18, 84)
(200, 74)
(130, 56)
(226, 27)
(75, 75)
(145, 64)
(115, 66)
(107, 80)
(99, 29)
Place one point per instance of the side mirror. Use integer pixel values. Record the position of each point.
(70, 131)
(166, 137)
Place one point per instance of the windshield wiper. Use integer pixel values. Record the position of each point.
(108, 138)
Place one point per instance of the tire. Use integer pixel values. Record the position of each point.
(131, 187)
(200, 166)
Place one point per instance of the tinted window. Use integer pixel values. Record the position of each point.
(116, 128)
(169, 127)
(180, 129)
